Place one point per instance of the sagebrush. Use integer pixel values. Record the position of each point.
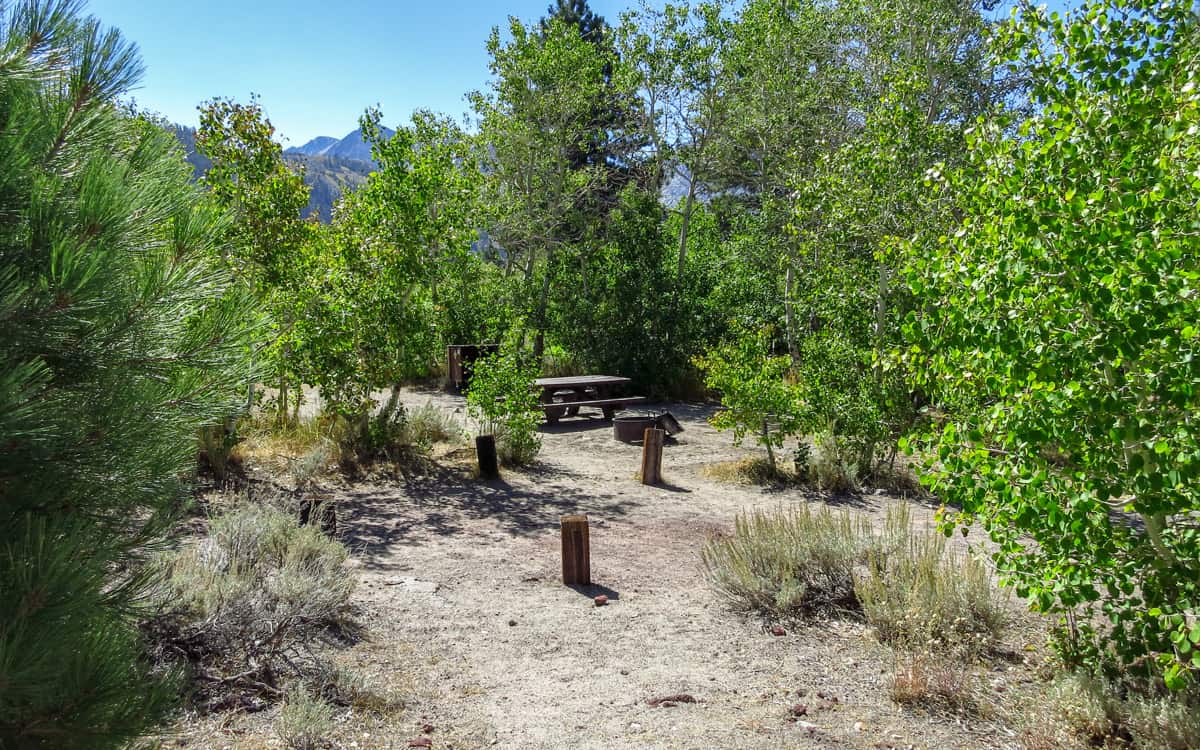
(245, 603)
(923, 598)
(790, 563)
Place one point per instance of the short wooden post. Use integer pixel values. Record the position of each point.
(485, 450)
(576, 554)
(652, 445)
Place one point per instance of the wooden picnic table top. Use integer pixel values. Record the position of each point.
(580, 381)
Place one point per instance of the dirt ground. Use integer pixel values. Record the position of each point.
(459, 590)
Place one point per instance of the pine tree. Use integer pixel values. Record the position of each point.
(579, 14)
(120, 336)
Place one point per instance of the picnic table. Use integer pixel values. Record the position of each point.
(565, 396)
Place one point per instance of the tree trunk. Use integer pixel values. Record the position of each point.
(281, 407)
(766, 436)
(790, 314)
(539, 341)
(685, 221)
(880, 322)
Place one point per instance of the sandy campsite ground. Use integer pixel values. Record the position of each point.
(467, 621)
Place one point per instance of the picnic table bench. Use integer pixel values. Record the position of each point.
(565, 396)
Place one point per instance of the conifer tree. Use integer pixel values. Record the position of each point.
(120, 336)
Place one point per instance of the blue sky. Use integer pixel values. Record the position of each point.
(316, 65)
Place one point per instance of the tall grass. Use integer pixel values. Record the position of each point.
(917, 595)
(790, 563)
(924, 598)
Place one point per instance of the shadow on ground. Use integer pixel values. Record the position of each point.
(443, 501)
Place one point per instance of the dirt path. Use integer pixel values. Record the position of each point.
(459, 586)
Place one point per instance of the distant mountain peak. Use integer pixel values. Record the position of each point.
(315, 147)
(353, 146)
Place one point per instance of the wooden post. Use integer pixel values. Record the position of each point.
(485, 451)
(652, 445)
(576, 554)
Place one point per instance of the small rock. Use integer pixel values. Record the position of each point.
(799, 710)
(778, 630)
(635, 727)
(512, 623)
(421, 742)
(859, 726)
(810, 728)
(670, 701)
(624, 671)
(601, 600)
(427, 728)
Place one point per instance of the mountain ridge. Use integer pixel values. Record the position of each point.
(352, 146)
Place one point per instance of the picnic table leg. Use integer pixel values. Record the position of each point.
(574, 396)
(554, 413)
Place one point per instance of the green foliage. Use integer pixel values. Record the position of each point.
(120, 337)
(629, 273)
(542, 123)
(248, 177)
(396, 255)
(755, 397)
(503, 402)
(1058, 332)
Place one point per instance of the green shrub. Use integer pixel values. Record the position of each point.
(557, 362)
(791, 563)
(429, 424)
(305, 721)
(755, 395)
(922, 598)
(244, 600)
(503, 403)
(365, 433)
(833, 467)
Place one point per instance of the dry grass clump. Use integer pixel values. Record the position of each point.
(925, 599)
(819, 466)
(755, 470)
(937, 608)
(791, 563)
(831, 465)
(428, 425)
(926, 680)
(305, 722)
(1080, 710)
(244, 603)
(311, 464)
